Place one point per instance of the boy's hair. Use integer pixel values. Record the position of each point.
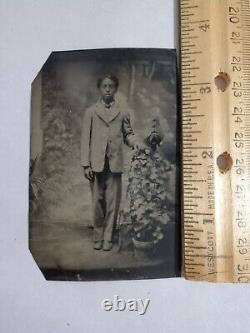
(109, 76)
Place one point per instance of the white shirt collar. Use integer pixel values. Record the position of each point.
(108, 106)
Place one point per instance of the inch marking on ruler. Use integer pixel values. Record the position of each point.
(214, 39)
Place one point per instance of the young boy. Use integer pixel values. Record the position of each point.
(106, 127)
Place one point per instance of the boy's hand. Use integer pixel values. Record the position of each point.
(138, 146)
(88, 173)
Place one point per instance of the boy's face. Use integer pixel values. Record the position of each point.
(107, 90)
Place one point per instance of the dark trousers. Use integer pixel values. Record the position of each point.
(106, 196)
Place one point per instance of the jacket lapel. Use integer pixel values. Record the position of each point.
(101, 112)
(107, 115)
(114, 111)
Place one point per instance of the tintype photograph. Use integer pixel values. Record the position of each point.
(104, 174)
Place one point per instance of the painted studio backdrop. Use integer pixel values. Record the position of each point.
(60, 212)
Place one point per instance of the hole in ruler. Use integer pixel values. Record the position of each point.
(222, 81)
(224, 162)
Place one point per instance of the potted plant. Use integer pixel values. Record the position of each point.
(148, 195)
(149, 222)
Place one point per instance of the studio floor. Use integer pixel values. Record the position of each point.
(65, 251)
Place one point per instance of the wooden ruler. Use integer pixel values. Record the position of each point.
(215, 71)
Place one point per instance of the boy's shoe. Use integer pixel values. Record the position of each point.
(97, 245)
(107, 246)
